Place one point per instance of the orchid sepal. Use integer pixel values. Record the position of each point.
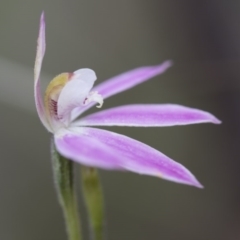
(109, 150)
(147, 115)
(41, 47)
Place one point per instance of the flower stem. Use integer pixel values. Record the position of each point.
(93, 195)
(63, 178)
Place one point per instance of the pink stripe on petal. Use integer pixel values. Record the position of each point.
(147, 115)
(37, 69)
(78, 146)
(95, 147)
(124, 82)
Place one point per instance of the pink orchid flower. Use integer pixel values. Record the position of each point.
(70, 94)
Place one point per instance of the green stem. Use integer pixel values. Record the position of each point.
(93, 195)
(63, 178)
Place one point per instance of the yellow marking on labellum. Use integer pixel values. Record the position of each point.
(52, 93)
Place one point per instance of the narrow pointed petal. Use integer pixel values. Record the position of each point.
(105, 149)
(75, 92)
(147, 115)
(124, 82)
(130, 79)
(41, 46)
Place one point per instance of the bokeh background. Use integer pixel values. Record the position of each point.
(203, 40)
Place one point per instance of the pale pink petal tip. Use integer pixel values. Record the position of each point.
(42, 28)
(210, 118)
(181, 175)
(198, 185)
(42, 20)
(216, 120)
(195, 183)
(167, 64)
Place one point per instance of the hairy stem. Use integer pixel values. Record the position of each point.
(64, 184)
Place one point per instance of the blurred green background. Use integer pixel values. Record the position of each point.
(203, 40)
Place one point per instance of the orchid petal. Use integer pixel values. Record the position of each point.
(78, 146)
(101, 148)
(37, 69)
(147, 115)
(124, 82)
(75, 92)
